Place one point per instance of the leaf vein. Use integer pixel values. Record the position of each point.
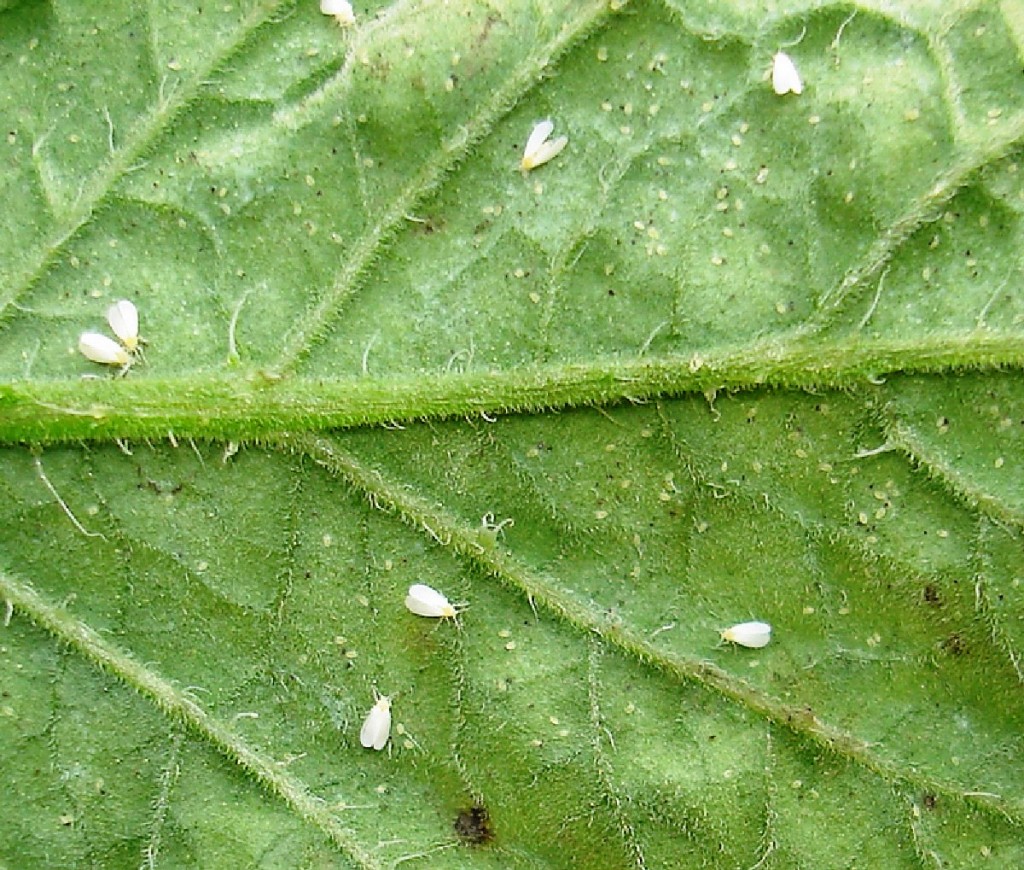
(175, 702)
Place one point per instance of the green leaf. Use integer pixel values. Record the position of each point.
(729, 356)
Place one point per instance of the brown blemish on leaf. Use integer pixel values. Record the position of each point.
(473, 826)
(955, 644)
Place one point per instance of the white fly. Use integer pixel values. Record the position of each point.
(785, 78)
(377, 728)
(749, 634)
(539, 148)
(123, 318)
(103, 349)
(341, 10)
(426, 601)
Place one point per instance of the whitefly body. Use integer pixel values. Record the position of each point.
(424, 600)
(785, 78)
(340, 10)
(103, 349)
(377, 727)
(749, 634)
(540, 148)
(123, 318)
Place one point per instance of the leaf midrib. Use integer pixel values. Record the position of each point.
(250, 405)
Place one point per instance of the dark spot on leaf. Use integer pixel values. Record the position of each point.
(929, 800)
(955, 644)
(473, 826)
(163, 487)
(931, 595)
(431, 224)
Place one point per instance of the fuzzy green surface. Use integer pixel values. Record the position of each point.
(729, 356)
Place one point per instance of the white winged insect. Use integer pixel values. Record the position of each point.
(340, 10)
(785, 78)
(103, 349)
(426, 601)
(753, 635)
(377, 726)
(123, 318)
(539, 148)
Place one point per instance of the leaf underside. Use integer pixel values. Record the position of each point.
(728, 356)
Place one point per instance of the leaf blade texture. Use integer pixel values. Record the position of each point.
(729, 358)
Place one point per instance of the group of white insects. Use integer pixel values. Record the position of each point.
(540, 147)
(422, 600)
(123, 318)
(426, 601)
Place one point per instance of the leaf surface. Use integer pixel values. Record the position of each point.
(729, 356)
